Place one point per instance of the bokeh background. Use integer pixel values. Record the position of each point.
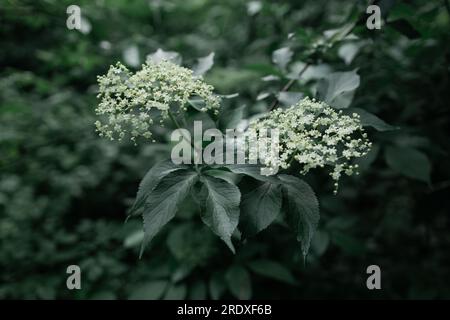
(64, 191)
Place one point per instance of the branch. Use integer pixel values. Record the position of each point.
(189, 140)
(288, 86)
(292, 81)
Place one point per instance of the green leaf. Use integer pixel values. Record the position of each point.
(407, 140)
(281, 57)
(176, 292)
(404, 27)
(259, 208)
(273, 270)
(133, 239)
(176, 240)
(386, 6)
(264, 69)
(348, 51)
(163, 202)
(262, 96)
(289, 98)
(228, 176)
(160, 55)
(239, 283)
(197, 103)
(229, 96)
(338, 88)
(149, 291)
(365, 161)
(401, 11)
(204, 64)
(150, 180)
(253, 7)
(313, 72)
(159, 268)
(217, 286)
(131, 56)
(409, 162)
(252, 170)
(230, 118)
(303, 214)
(339, 34)
(370, 120)
(197, 291)
(221, 207)
(182, 272)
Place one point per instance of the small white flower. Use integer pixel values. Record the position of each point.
(127, 99)
(314, 134)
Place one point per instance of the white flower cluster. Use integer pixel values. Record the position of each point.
(130, 102)
(315, 135)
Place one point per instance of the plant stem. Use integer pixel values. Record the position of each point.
(288, 86)
(292, 81)
(175, 122)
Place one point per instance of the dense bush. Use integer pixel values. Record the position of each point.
(65, 192)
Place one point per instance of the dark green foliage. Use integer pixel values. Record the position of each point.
(65, 193)
(302, 209)
(260, 207)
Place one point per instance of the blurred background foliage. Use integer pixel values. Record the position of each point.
(64, 192)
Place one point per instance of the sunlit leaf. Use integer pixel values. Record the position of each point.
(281, 57)
(160, 55)
(204, 64)
(337, 89)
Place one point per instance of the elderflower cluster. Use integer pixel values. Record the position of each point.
(130, 102)
(315, 135)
